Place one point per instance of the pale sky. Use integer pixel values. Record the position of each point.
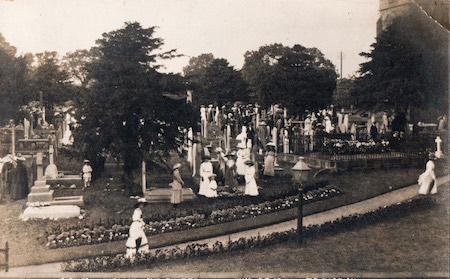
(225, 28)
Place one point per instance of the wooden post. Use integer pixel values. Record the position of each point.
(6, 251)
(300, 240)
(144, 178)
(13, 138)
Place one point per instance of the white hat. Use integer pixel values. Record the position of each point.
(176, 166)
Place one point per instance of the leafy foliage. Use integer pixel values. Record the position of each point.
(214, 81)
(14, 81)
(127, 113)
(402, 71)
(301, 77)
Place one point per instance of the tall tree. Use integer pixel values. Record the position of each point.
(403, 72)
(14, 81)
(214, 81)
(50, 79)
(75, 63)
(127, 114)
(300, 78)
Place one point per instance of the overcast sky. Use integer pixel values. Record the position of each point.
(225, 28)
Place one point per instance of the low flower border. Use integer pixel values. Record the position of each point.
(101, 234)
(111, 263)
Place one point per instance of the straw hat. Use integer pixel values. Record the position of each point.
(206, 157)
(141, 201)
(212, 175)
(271, 144)
(176, 166)
(86, 161)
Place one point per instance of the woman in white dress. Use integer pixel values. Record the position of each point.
(251, 188)
(206, 169)
(137, 240)
(212, 187)
(427, 180)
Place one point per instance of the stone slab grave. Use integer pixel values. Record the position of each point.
(42, 203)
(51, 212)
(164, 195)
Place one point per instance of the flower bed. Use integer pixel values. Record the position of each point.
(347, 147)
(84, 235)
(110, 263)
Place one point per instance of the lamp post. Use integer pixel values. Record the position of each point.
(300, 173)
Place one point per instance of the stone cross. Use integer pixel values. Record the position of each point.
(438, 147)
(39, 164)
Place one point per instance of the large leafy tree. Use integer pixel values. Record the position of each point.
(50, 80)
(300, 78)
(127, 113)
(14, 81)
(403, 72)
(214, 81)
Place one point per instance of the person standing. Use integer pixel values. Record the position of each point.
(251, 188)
(269, 160)
(212, 187)
(137, 241)
(87, 173)
(177, 186)
(206, 169)
(19, 180)
(427, 180)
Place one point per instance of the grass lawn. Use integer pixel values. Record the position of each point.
(103, 201)
(415, 243)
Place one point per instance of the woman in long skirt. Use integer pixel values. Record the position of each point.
(269, 160)
(251, 188)
(177, 186)
(427, 180)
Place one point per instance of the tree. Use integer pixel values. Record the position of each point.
(75, 63)
(300, 78)
(14, 81)
(214, 81)
(50, 79)
(402, 72)
(126, 114)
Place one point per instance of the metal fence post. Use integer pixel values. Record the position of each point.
(300, 216)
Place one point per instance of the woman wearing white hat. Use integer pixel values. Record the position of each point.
(242, 155)
(137, 240)
(269, 160)
(427, 180)
(177, 185)
(251, 188)
(212, 187)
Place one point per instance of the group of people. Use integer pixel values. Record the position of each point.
(236, 167)
(14, 177)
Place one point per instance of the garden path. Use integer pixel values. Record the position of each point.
(403, 194)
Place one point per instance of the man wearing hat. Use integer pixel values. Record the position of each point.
(251, 188)
(427, 180)
(137, 241)
(177, 185)
(87, 173)
(206, 169)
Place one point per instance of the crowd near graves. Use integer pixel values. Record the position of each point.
(124, 161)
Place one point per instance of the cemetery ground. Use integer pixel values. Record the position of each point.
(106, 199)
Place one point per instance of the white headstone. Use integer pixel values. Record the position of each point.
(438, 147)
